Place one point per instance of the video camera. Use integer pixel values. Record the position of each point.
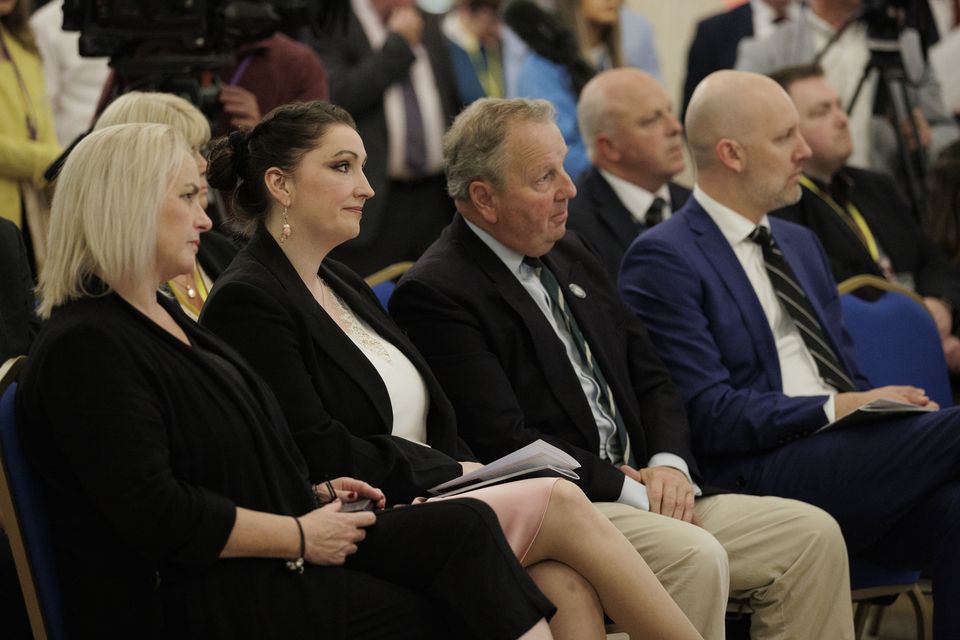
(177, 46)
(884, 18)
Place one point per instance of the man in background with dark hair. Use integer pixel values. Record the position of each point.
(865, 224)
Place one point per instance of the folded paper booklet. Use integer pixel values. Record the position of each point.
(534, 460)
(875, 409)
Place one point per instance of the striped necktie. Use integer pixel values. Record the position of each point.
(795, 301)
(655, 212)
(566, 320)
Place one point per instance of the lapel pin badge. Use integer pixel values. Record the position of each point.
(577, 290)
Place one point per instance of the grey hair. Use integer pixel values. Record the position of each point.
(473, 147)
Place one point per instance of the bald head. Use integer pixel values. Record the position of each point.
(608, 97)
(744, 133)
(627, 122)
(730, 104)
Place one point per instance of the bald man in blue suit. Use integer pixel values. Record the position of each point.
(756, 389)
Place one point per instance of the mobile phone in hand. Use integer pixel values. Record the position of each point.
(364, 504)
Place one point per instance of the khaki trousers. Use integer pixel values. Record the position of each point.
(786, 558)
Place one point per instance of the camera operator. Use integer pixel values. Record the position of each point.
(270, 72)
(875, 140)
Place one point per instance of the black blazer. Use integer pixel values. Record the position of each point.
(604, 223)
(332, 396)
(18, 322)
(891, 221)
(358, 78)
(714, 45)
(216, 252)
(509, 376)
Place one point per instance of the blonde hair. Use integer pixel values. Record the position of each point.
(159, 108)
(473, 147)
(104, 216)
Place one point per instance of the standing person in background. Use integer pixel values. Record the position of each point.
(943, 202)
(74, 82)
(28, 142)
(486, 54)
(390, 69)
(715, 42)
(606, 35)
(270, 72)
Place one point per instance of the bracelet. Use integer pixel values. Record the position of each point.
(297, 563)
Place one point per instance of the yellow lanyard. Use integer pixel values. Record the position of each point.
(488, 70)
(852, 217)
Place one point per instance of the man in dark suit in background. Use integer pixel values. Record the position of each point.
(860, 216)
(715, 43)
(391, 70)
(525, 332)
(744, 311)
(636, 146)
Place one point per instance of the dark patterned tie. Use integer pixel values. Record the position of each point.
(794, 300)
(566, 320)
(655, 212)
(416, 151)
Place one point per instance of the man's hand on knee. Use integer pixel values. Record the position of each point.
(669, 491)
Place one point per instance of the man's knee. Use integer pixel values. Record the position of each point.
(816, 533)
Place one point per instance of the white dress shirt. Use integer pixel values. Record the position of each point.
(843, 66)
(798, 370)
(633, 493)
(764, 15)
(636, 199)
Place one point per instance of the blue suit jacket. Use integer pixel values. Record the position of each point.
(684, 280)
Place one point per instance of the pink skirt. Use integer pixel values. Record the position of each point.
(520, 507)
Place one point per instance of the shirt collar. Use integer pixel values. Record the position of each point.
(734, 227)
(635, 198)
(512, 259)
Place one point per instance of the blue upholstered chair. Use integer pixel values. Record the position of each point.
(895, 337)
(383, 282)
(897, 343)
(25, 519)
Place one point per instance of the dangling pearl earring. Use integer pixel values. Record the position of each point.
(285, 229)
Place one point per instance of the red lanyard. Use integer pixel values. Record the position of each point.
(27, 102)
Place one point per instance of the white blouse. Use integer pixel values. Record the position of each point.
(409, 398)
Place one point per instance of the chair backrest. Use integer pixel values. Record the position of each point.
(25, 520)
(896, 339)
(383, 282)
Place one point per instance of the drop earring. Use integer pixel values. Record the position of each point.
(285, 229)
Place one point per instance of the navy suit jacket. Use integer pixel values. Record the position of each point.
(714, 45)
(607, 226)
(685, 282)
(508, 374)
